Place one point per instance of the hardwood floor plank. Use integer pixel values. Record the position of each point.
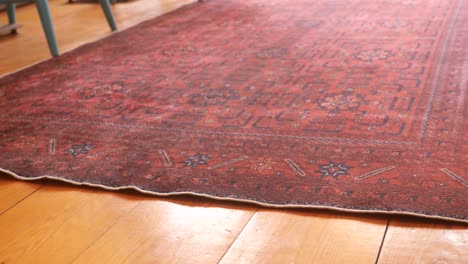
(157, 231)
(274, 236)
(411, 240)
(56, 223)
(13, 191)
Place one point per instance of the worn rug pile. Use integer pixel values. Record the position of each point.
(340, 104)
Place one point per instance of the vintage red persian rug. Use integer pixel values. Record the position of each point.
(348, 105)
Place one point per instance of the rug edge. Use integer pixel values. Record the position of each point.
(229, 199)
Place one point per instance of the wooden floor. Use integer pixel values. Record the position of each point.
(49, 222)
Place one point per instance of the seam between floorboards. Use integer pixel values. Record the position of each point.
(105, 232)
(234, 241)
(21, 200)
(383, 240)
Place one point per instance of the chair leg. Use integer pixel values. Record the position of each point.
(108, 12)
(44, 14)
(11, 15)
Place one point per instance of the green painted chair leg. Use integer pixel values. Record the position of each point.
(44, 14)
(108, 12)
(11, 15)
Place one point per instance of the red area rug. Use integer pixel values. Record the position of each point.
(349, 105)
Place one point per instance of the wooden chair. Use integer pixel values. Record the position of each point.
(46, 20)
